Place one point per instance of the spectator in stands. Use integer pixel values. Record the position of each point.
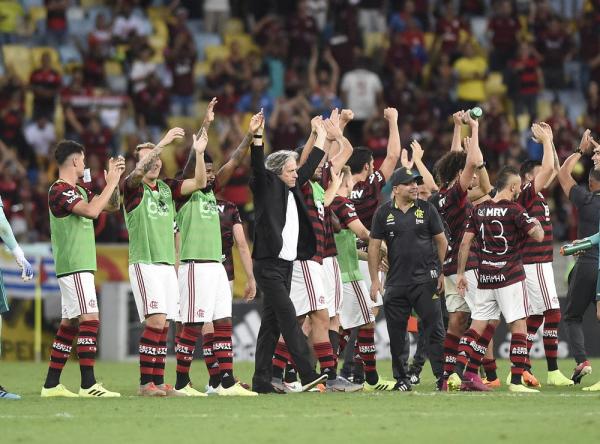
(556, 48)
(303, 33)
(143, 67)
(76, 101)
(101, 35)
(256, 98)
(528, 80)
(503, 29)
(153, 104)
(97, 139)
(11, 20)
(216, 13)
(589, 40)
(181, 59)
(41, 136)
(127, 25)
(178, 24)
(471, 71)
(448, 30)
(287, 125)
(45, 83)
(362, 92)
(399, 19)
(376, 138)
(371, 15)
(56, 21)
(11, 129)
(94, 75)
(323, 82)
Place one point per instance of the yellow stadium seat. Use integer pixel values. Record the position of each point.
(214, 52)
(374, 41)
(429, 39)
(86, 4)
(494, 84)
(160, 28)
(28, 104)
(158, 13)
(234, 26)
(184, 122)
(201, 69)
(244, 40)
(159, 45)
(113, 68)
(523, 121)
(36, 13)
(59, 121)
(36, 57)
(18, 57)
(544, 109)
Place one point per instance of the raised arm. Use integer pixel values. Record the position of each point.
(197, 182)
(565, 177)
(543, 133)
(393, 148)
(257, 159)
(236, 159)
(246, 258)
(457, 118)
(310, 142)
(144, 165)
(114, 203)
(474, 155)
(334, 77)
(417, 157)
(333, 187)
(94, 207)
(306, 171)
(209, 117)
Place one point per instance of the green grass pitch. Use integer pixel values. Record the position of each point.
(557, 415)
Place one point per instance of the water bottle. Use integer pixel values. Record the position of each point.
(570, 249)
(475, 113)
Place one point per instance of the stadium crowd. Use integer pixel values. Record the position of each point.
(112, 74)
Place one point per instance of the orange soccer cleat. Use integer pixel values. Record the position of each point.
(530, 380)
(492, 384)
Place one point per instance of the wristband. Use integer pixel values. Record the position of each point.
(579, 151)
(257, 136)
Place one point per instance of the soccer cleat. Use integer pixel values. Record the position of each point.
(60, 391)
(279, 386)
(492, 384)
(557, 379)
(340, 384)
(150, 390)
(97, 391)
(235, 390)
(170, 390)
(188, 390)
(592, 388)
(414, 379)
(243, 384)
(210, 390)
(319, 388)
(402, 386)
(380, 386)
(580, 371)
(4, 394)
(519, 388)
(319, 380)
(473, 383)
(530, 380)
(293, 387)
(454, 382)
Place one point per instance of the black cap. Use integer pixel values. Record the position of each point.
(402, 176)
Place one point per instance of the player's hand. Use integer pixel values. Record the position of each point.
(417, 150)
(473, 123)
(391, 114)
(250, 290)
(547, 130)
(440, 285)
(375, 288)
(172, 134)
(199, 142)
(346, 115)
(261, 128)
(116, 168)
(256, 122)
(586, 142)
(404, 159)
(333, 130)
(314, 122)
(320, 129)
(538, 133)
(336, 179)
(457, 117)
(461, 284)
(335, 117)
(210, 112)
(23, 263)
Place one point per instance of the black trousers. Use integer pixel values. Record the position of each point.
(582, 293)
(274, 279)
(398, 304)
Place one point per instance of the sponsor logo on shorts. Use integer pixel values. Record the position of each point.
(322, 300)
(92, 303)
(200, 313)
(153, 305)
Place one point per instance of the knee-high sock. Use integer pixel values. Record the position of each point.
(465, 350)
(533, 325)
(223, 350)
(212, 365)
(59, 354)
(149, 343)
(324, 353)
(519, 356)
(450, 353)
(280, 359)
(87, 347)
(551, 321)
(479, 348)
(161, 358)
(184, 352)
(367, 351)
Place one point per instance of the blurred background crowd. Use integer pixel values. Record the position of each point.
(112, 74)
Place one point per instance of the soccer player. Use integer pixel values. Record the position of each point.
(149, 215)
(7, 236)
(499, 225)
(205, 290)
(456, 171)
(72, 209)
(537, 259)
(356, 310)
(583, 277)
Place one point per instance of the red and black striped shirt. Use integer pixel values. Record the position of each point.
(536, 206)
(455, 208)
(344, 209)
(499, 228)
(316, 214)
(365, 196)
(330, 248)
(229, 216)
(132, 197)
(62, 198)
(527, 74)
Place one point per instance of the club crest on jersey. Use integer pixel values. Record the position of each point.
(419, 214)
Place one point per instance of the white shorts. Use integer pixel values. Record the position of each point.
(541, 289)
(357, 306)
(205, 292)
(308, 288)
(155, 290)
(511, 301)
(333, 285)
(77, 294)
(364, 270)
(454, 302)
